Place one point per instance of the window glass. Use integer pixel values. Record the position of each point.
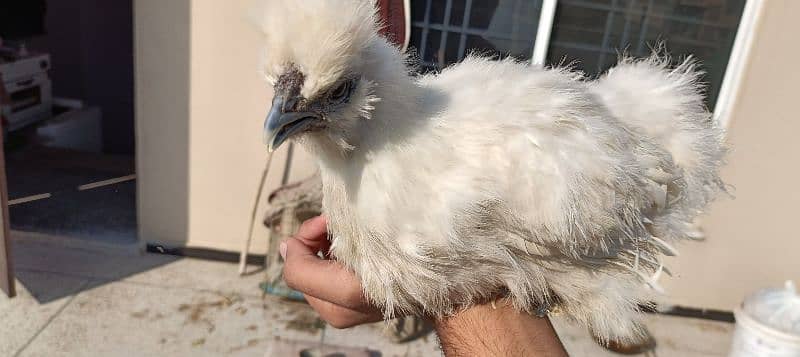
(588, 34)
(444, 31)
(591, 33)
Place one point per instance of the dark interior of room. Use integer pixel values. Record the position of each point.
(68, 118)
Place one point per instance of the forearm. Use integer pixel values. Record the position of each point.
(484, 330)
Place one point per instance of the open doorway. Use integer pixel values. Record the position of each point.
(68, 120)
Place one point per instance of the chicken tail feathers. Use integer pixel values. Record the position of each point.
(666, 103)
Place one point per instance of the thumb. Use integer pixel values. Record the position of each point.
(299, 249)
(314, 234)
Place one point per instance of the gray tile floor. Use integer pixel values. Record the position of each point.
(107, 214)
(93, 302)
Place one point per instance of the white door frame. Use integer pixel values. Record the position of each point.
(737, 63)
(546, 23)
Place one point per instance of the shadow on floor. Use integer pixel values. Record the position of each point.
(80, 265)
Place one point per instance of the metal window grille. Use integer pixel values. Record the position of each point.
(592, 34)
(445, 31)
(588, 33)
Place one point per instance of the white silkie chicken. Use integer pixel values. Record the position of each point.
(491, 178)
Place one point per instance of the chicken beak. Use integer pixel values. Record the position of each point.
(281, 125)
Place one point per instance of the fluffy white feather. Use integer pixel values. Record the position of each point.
(495, 178)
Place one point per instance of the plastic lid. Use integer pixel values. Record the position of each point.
(776, 308)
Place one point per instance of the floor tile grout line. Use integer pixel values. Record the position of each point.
(52, 318)
(213, 291)
(140, 283)
(322, 336)
(370, 347)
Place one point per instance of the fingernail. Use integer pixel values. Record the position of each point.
(282, 250)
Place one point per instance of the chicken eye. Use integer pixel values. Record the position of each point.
(341, 93)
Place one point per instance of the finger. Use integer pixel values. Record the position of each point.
(339, 316)
(314, 233)
(324, 279)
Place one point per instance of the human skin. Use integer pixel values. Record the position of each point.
(335, 293)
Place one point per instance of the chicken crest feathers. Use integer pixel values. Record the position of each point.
(324, 39)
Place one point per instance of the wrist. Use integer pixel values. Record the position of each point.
(497, 330)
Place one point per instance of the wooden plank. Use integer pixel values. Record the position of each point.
(112, 181)
(6, 269)
(88, 186)
(27, 199)
(392, 13)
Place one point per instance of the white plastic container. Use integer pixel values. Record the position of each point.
(768, 324)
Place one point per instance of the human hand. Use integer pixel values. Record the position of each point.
(330, 288)
(335, 293)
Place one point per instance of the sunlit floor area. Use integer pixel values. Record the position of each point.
(92, 302)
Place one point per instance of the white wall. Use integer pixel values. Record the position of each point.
(161, 40)
(200, 108)
(229, 101)
(753, 239)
